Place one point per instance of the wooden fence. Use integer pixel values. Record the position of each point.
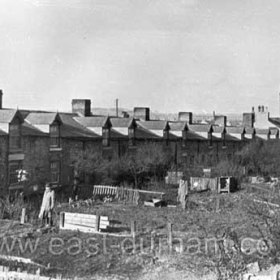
(125, 194)
(7, 274)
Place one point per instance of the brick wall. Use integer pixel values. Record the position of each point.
(3, 163)
(36, 158)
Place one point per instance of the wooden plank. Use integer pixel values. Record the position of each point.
(78, 215)
(80, 228)
(97, 223)
(61, 219)
(169, 236)
(22, 219)
(267, 203)
(133, 228)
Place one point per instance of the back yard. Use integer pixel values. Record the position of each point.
(216, 236)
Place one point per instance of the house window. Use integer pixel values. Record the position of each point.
(106, 137)
(54, 128)
(210, 160)
(166, 136)
(210, 139)
(54, 136)
(14, 167)
(15, 136)
(224, 140)
(55, 171)
(54, 141)
(184, 140)
(131, 135)
(202, 159)
(191, 160)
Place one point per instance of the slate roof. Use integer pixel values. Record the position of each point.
(262, 130)
(229, 137)
(30, 130)
(275, 121)
(235, 129)
(200, 127)
(191, 135)
(92, 121)
(121, 122)
(142, 133)
(153, 125)
(177, 126)
(3, 133)
(218, 129)
(25, 113)
(249, 130)
(7, 115)
(71, 128)
(41, 118)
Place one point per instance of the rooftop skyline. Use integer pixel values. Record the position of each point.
(188, 55)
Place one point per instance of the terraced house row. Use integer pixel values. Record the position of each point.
(46, 144)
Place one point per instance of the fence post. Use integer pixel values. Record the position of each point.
(23, 212)
(218, 203)
(97, 222)
(153, 235)
(133, 228)
(61, 219)
(169, 236)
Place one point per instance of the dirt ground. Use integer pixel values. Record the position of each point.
(207, 214)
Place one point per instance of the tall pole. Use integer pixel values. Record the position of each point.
(117, 107)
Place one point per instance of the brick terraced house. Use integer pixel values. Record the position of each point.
(45, 144)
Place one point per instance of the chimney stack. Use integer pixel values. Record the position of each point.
(142, 113)
(81, 107)
(248, 119)
(186, 116)
(220, 120)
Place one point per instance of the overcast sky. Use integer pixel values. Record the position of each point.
(169, 55)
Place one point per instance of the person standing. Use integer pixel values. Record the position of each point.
(183, 192)
(47, 206)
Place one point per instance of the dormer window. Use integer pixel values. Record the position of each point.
(224, 139)
(106, 137)
(55, 171)
(184, 142)
(131, 136)
(15, 136)
(54, 136)
(210, 139)
(166, 136)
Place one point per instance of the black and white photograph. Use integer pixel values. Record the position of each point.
(139, 140)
